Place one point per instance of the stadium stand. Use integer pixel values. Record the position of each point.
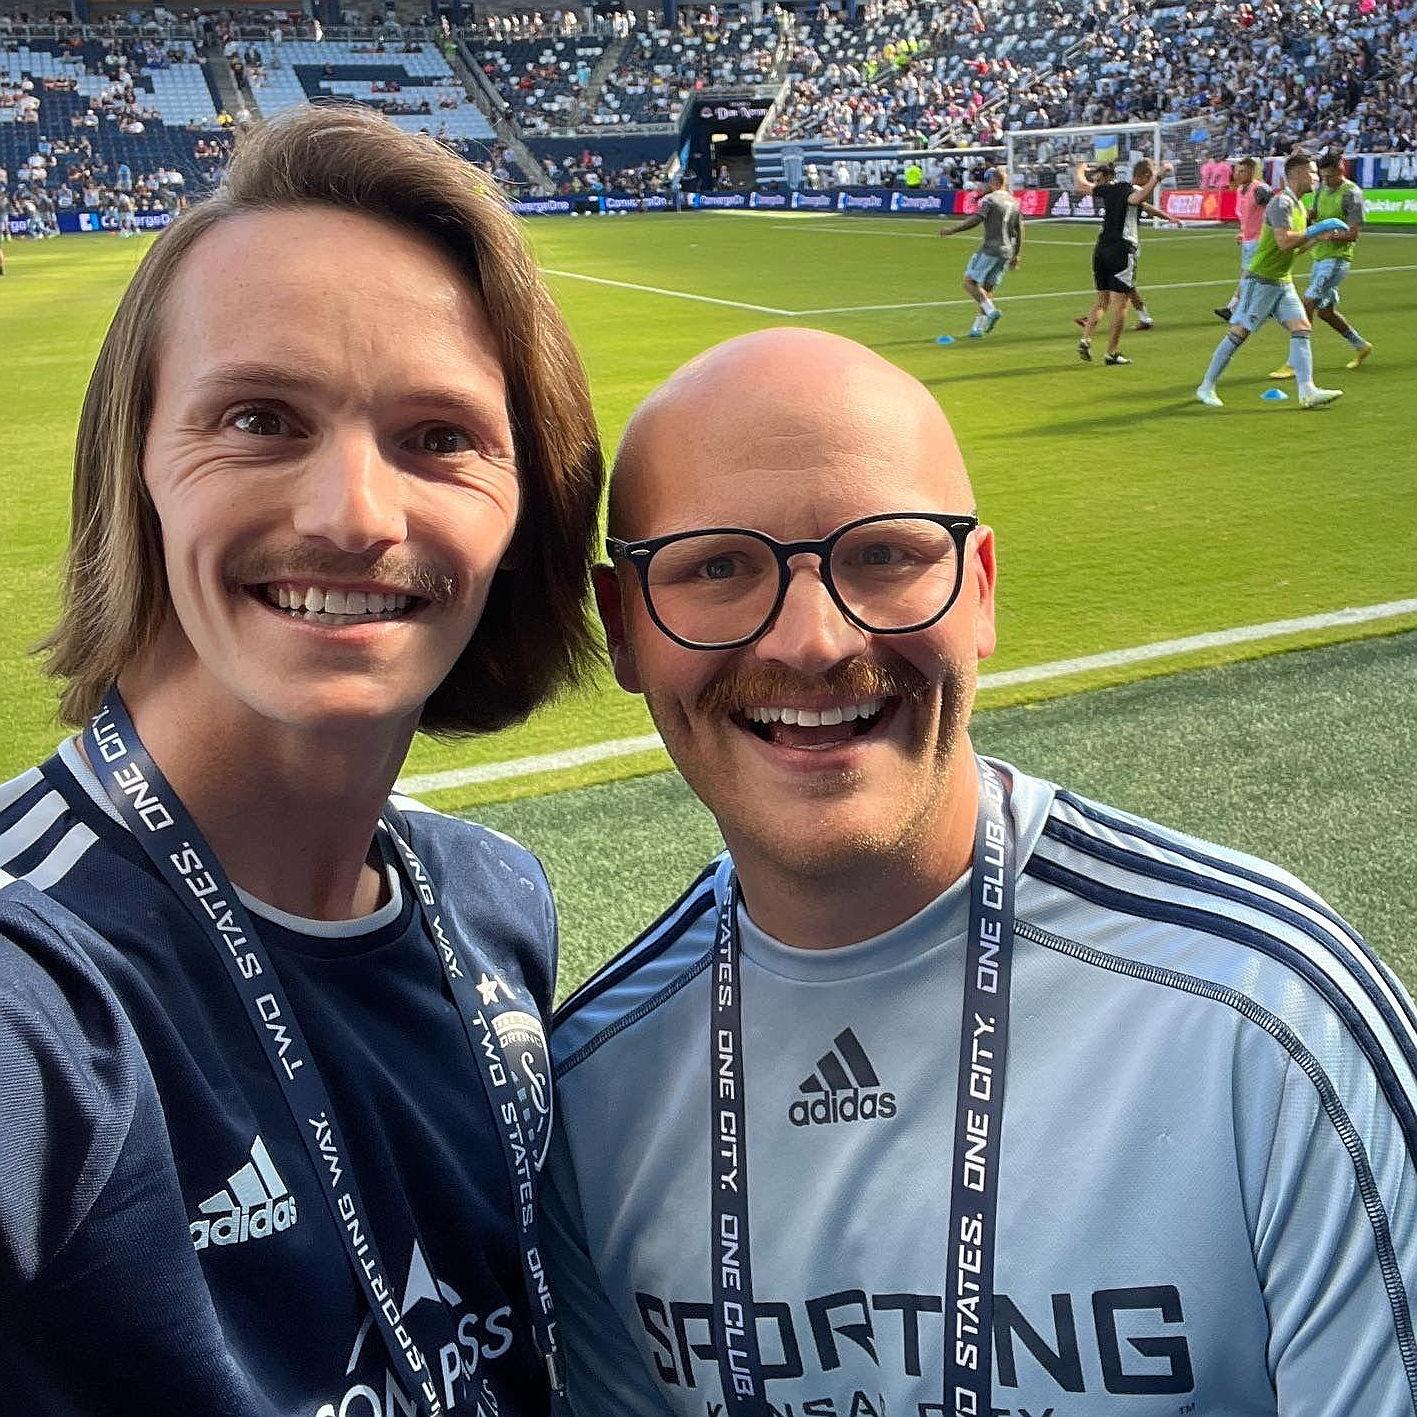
(1339, 74)
(542, 79)
(412, 82)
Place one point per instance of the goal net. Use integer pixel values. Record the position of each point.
(1047, 158)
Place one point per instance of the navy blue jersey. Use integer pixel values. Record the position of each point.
(164, 1244)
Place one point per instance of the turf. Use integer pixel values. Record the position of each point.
(1126, 513)
(1305, 759)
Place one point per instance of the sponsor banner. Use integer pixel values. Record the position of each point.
(1069, 204)
(719, 201)
(768, 201)
(737, 110)
(868, 201)
(620, 202)
(1393, 206)
(657, 202)
(1033, 201)
(1193, 204)
(813, 201)
(544, 206)
(967, 201)
(927, 203)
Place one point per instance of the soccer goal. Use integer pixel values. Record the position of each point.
(1046, 158)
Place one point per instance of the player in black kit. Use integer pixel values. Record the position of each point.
(1114, 258)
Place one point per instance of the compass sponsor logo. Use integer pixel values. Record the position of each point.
(459, 1367)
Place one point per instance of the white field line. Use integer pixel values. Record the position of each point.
(1056, 294)
(675, 294)
(1032, 674)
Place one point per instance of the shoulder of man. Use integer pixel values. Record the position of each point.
(481, 868)
(648, 972)
(1234, 932)
(1280, 208)
(73, 1081)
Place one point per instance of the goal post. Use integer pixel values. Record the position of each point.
(1047, 158)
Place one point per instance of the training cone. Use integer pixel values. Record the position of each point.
(944, 339)
(1274, 395)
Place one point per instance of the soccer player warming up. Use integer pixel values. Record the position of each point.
(999, 249)
(1250, 198)
(273, 1087)
(1268, 287)
(1334, 197)
(943, 1081)
(1114, 258)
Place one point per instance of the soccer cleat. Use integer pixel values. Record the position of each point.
(975, 333)
(1117, 359)
(992, 319)
(1317, 398)
(1209, 397)
(1283, 372)
(1085, 350)
(1223, 312)
(1358, 358)
(1145, 324)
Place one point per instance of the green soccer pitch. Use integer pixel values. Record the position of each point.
(1128, 515)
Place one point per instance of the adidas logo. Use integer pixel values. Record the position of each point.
(254, 1204)
(843, 1087)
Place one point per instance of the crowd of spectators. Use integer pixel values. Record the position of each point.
(1339, 73)
(660, 69)
(587, 172)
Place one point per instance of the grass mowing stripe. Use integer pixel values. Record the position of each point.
(1293, 758)
(1029, 674)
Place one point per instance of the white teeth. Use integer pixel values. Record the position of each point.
(813, 718)
(314, 602)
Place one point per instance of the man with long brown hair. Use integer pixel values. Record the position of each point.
(273, 1082)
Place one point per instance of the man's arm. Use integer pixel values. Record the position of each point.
(1143, 193)
(1083, 187)
(606, 1375)
(1336, 1243)
(974, 219)
(1352, 212)
(1016, 231)
(1276, 217)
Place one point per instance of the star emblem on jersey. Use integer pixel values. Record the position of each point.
(843, 1087)
(488, 987)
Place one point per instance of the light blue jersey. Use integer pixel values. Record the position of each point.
(1207, 1195)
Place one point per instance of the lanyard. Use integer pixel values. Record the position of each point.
(984, 1034)
(176, 848)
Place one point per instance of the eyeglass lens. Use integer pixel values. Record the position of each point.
(720, 587)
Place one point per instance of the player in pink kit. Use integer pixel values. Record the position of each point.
(1250, 197)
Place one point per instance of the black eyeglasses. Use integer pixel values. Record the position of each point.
(720, 588)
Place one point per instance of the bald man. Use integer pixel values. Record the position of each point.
(943, 1090)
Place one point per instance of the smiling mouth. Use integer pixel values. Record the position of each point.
(817, 728)
(326, 605)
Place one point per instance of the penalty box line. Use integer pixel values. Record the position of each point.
(1009, 678)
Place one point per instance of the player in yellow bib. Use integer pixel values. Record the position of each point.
(1335, 196)
(1268, 287)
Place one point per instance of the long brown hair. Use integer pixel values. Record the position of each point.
(534, 637)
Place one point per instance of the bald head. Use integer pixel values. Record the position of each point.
(799, 412)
